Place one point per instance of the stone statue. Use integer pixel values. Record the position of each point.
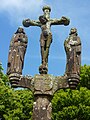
(73, 52)
(46, 36)
(17, 51)
(44, 85)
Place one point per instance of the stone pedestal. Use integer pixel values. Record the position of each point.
(43, 87)
(42, 108)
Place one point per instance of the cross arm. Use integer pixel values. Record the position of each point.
(62, 21)
(28, 22)
(26, 82)
(21, 81)
(62, 82)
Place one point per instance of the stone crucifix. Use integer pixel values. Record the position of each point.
(43, 86)
(45, 23)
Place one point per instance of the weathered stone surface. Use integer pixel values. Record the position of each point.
(43, 69)
(62, 82)
(16, 55)
(73, 52)
(17, 51)
(45, 23)
(43, 88)
(42, 108)
(48, 84)
(44, 85)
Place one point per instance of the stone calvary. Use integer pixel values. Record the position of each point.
(44, 85)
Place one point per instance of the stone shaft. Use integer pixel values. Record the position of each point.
(42, 108)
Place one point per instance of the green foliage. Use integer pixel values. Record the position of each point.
(14, 105)
(3, 77)
(71, 105)
(67, 104)
(85, 76)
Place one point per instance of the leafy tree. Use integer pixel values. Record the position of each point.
(74, 104)
(67, 104)
(14, 105)
(85, 76)
(71, 104)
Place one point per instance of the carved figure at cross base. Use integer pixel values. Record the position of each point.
(44, 85)
(17, 50)
(73, 52)
(45, 23)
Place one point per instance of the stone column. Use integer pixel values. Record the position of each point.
(42, 108)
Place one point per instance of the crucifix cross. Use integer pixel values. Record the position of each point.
(45, 23)
(44, 85)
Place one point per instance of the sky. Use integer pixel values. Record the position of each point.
(12, 13)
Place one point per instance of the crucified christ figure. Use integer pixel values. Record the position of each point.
(45, 23)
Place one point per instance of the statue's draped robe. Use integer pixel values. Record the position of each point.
(17, 51)
(73, 52)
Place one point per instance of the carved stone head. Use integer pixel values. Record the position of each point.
(73, 31)
(43, 69)
(46, 10)
(20, 30)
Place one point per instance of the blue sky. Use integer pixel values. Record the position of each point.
(12, 12)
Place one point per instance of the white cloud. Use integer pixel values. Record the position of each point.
(16, 10)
